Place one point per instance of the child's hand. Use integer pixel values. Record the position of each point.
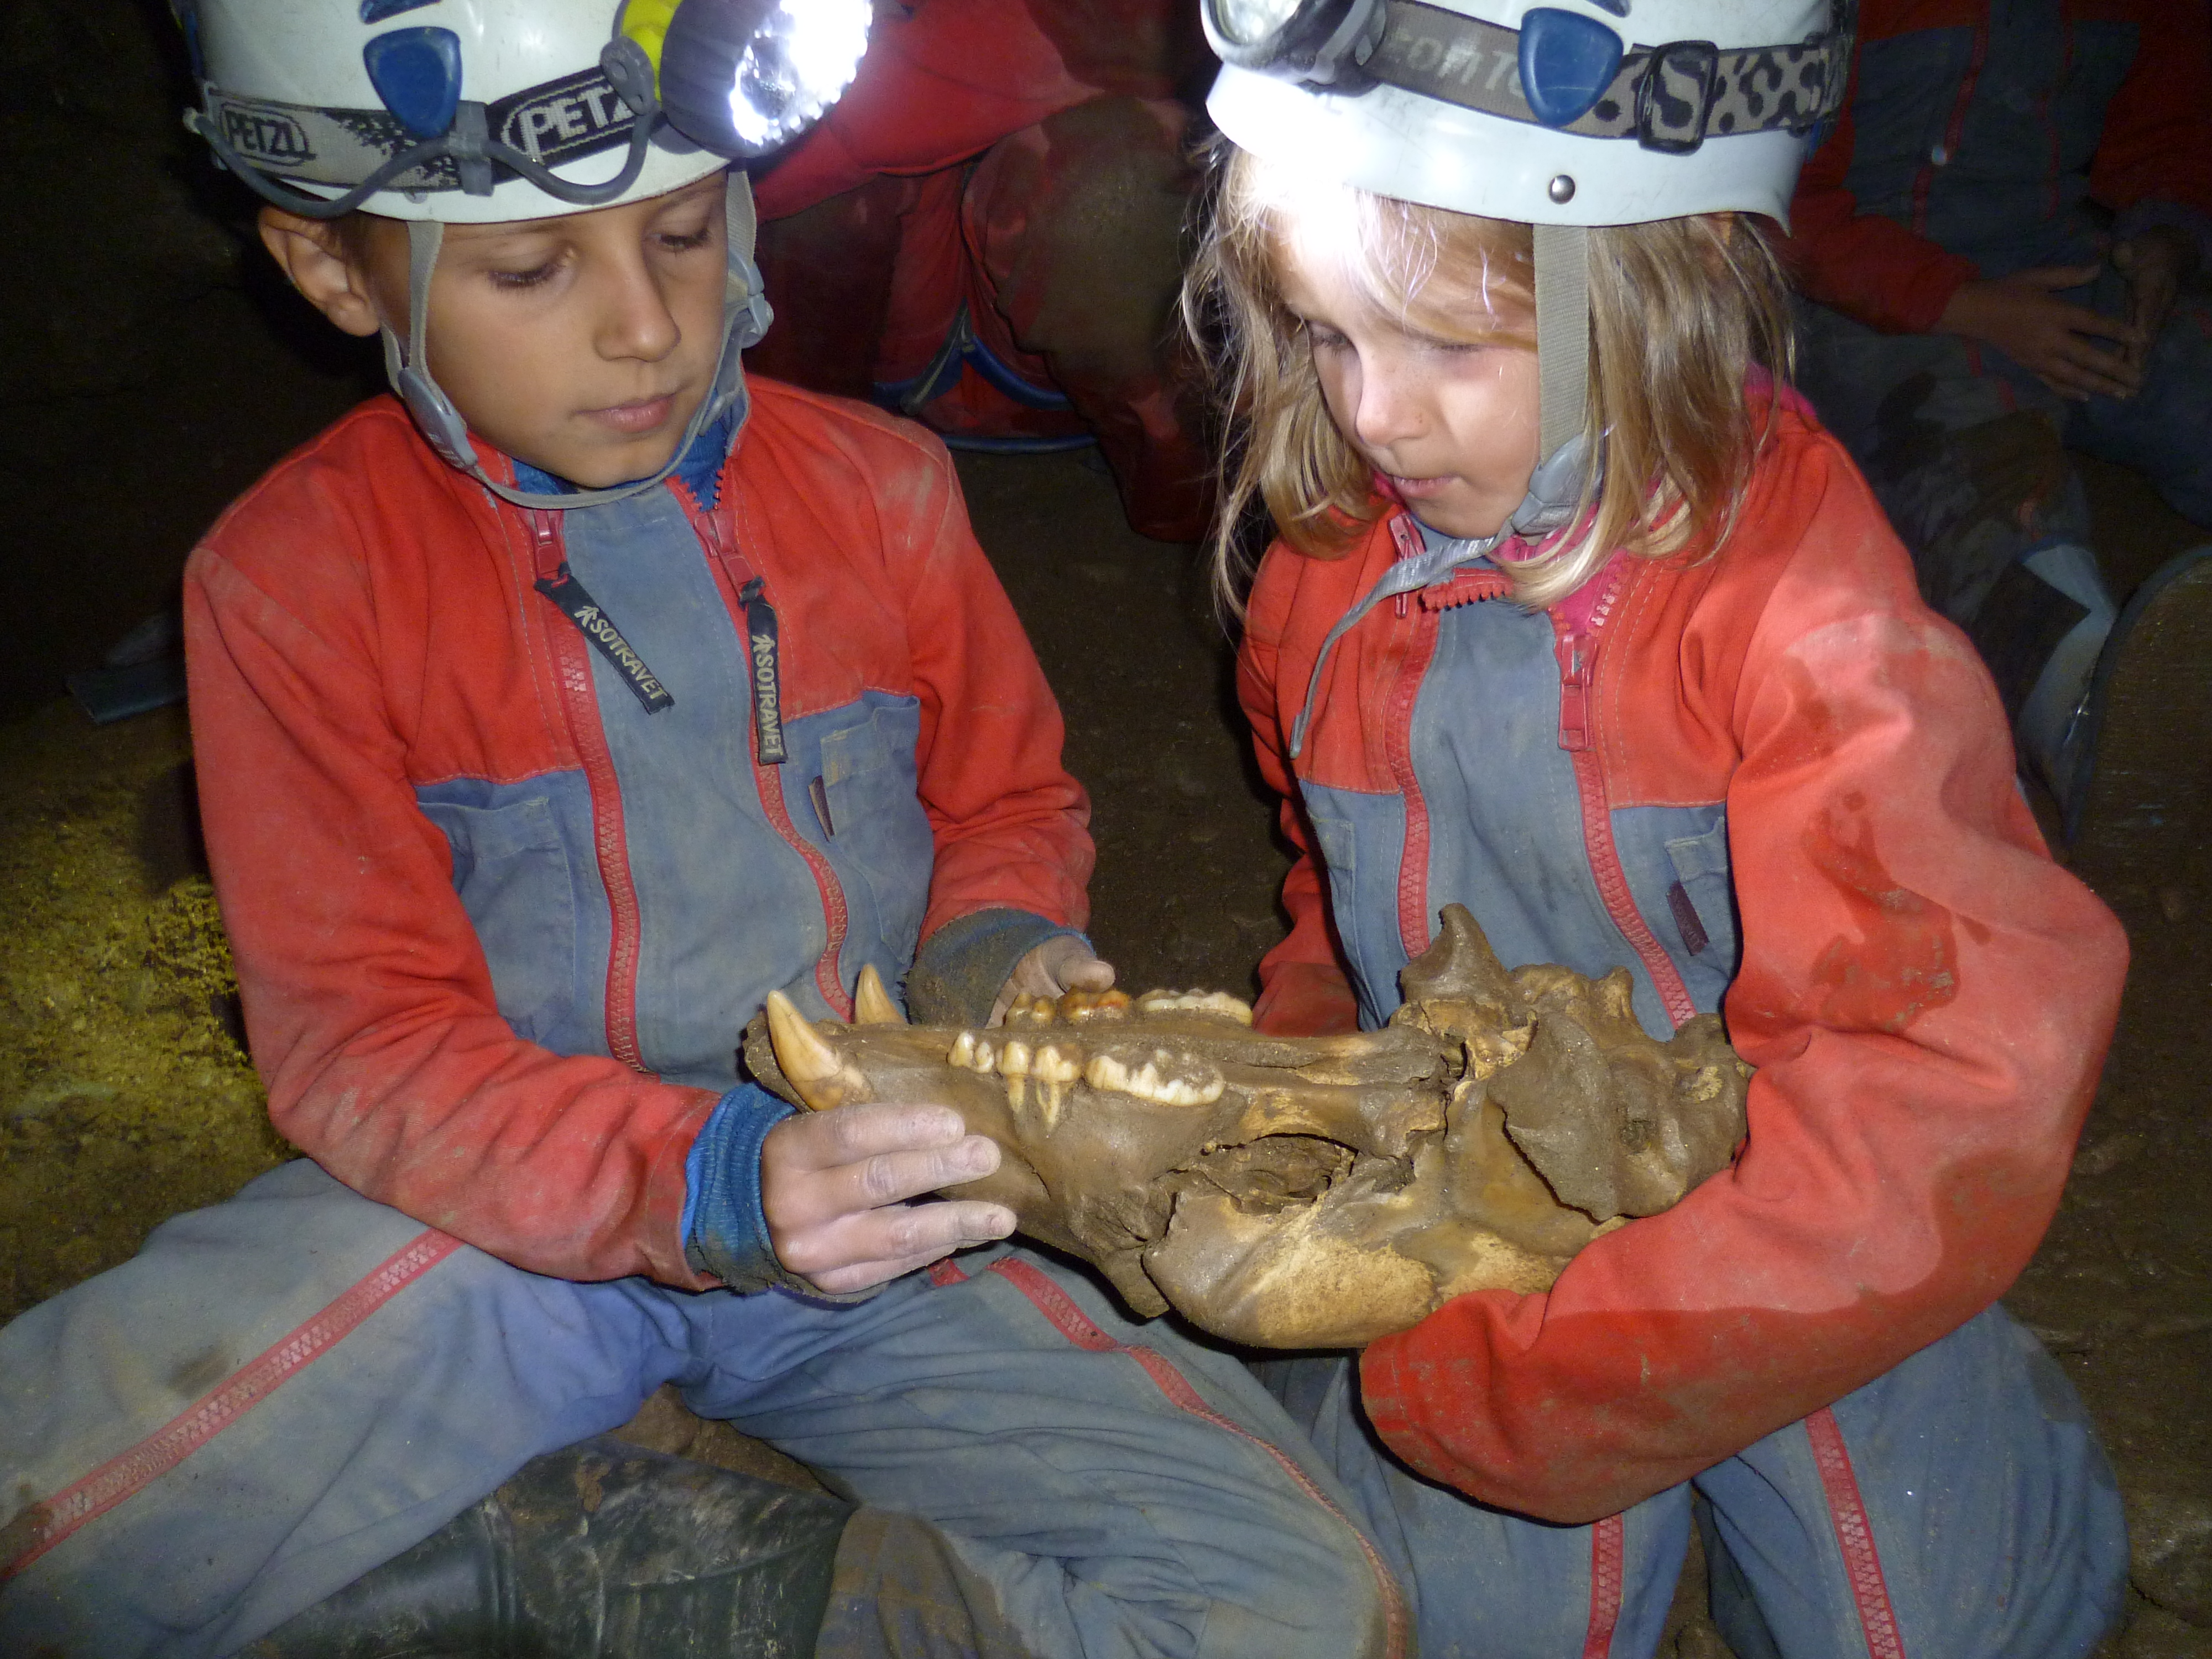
(1062, 963)
(835, 1187)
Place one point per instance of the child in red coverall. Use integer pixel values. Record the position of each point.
(545, 725)
(1578, 618)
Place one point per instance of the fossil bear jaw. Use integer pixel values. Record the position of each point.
(1309, 1191)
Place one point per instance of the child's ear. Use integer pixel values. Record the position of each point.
(317, 263)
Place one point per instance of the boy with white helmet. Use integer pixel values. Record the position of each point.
(540, 737)
(1578, 618)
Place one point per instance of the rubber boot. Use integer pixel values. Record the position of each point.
(2050, 725)
(2139, 802)
(603, 1551)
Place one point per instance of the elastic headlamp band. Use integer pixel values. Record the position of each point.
(1668, 98)
(615, 103)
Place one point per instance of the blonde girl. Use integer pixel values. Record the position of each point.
(1577, 616)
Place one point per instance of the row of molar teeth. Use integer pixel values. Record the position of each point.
(1159, 1079)
(1218, 1004)
(1047, 1062)
(1032, 1011)
(1076, 1007)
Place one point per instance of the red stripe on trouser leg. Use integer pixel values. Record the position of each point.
(1854, 1537)
(1056, 1305)
(131, 1472)
(947, 1272)
(1607, 1568)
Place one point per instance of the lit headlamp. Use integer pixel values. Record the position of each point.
(1327, 42)
(743, 77)
(737, 77)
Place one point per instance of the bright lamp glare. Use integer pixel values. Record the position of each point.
(1249, 22)
(798, 63)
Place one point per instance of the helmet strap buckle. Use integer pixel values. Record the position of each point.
(468, 144)
(1675, 96)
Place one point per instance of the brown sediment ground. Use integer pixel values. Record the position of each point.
(124, 1095)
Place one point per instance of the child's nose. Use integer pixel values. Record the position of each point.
(1387, 412)
(636, 321)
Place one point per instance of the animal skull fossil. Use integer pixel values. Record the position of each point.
(1306, 1192)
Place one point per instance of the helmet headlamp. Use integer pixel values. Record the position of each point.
(1325, 42)
(743, 77)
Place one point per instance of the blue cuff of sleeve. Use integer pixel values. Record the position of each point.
(961, 967)
(725, 1230)
(2155, 211)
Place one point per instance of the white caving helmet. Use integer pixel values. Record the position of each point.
(1560, 115)
(1583, 112)
(469, 111)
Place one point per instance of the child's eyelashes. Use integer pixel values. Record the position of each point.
(534, 277)
(537, 275)
(1321, 338)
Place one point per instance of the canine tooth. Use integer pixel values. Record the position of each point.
(810, 1061)
(1014, 1058)
(1050, 1098)
(1016, 1092)
(871, 1003)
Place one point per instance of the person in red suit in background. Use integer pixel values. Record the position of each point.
(2001, 242)
(985, 235)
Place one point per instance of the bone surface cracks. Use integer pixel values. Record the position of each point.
(1307, 1192)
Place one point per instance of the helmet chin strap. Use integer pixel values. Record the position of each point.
(1568, 465)
(745, 318)
(1562, 334)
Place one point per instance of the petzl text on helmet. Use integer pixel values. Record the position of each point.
(423, 118)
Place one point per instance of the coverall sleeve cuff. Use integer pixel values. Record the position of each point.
(725, 1229)
(2152, 212)
(961, 967)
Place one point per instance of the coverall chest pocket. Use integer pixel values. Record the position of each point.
(2100, 55)
(878, 830)
(511, 871)
(1707, 927)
